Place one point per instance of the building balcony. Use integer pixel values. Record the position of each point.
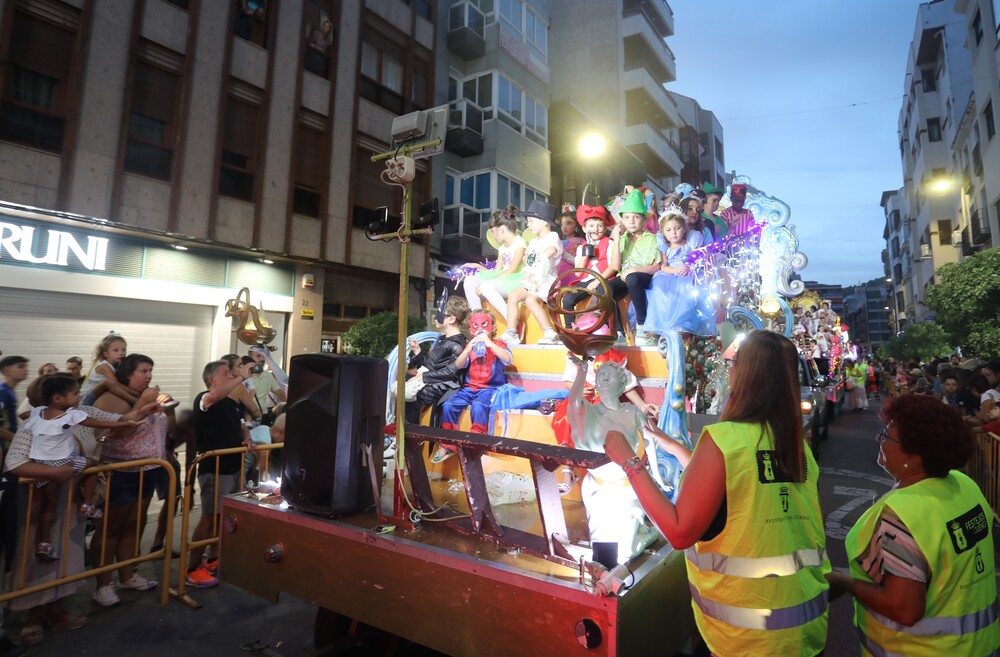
(465, 129)
(980, 228)
(645, 48)
(466, 30)
(646, 101)
(463, 231)
(660, 157)
(657, 12)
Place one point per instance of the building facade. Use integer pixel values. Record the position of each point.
(976, 148)
(867, 315)
(701, 141)
(898, 259)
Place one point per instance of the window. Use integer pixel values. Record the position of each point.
(933, 129)
(510, 11)
(944, 232)
(536, 34)
(928, 79)
(318, 37)
(480, 91)
(977, 27)
(33, 110)
(719, 153)
(536, 120)
(510, 103)
(395, 80)
(149, 147)
(308, 165)
(251, 21)
(238, 165)
(988, 120)
(418, 86)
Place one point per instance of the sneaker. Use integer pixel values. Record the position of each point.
(510, 337)
(105, 596)
(200, 578)
(212, 565)
(549, 337)
(137, 583)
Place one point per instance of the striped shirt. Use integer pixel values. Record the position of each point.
(739, 222)
(893, 550)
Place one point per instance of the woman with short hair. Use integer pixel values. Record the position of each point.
(922, 564)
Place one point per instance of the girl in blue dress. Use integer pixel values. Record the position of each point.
(675, 302)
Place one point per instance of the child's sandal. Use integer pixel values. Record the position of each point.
(46, 552)
(90, 511)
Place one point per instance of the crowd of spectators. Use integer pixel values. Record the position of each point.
(242, 406)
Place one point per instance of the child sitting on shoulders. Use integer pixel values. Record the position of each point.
(541, 264)
(53, 444)
(485, 359)
(109, 353)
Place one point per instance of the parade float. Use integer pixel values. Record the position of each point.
(514, 546)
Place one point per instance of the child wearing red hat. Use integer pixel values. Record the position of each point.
(595, 220)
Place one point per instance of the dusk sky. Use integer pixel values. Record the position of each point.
(780, 75)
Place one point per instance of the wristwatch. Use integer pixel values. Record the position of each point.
(634, 465)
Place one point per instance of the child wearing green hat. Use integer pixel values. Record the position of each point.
(636, 256)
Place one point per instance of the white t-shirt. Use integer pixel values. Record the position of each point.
(52, 440)
(539, 271)
(990, 395)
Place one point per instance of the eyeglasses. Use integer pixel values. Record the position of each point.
(883, 435)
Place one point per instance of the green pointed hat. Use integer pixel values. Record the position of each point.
(709, 188)
(634, 203)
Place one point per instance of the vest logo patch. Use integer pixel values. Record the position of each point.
(768, 471)
(968, 529)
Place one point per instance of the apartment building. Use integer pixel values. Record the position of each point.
(701, 142)
(897, 259)
(204, 149)
(522, 94)
(936, 87)
(976, 148)
(867, 315)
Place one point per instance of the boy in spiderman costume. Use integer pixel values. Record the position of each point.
(485, 358)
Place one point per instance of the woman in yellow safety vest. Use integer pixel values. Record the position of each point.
(747, 513)
(922, 570)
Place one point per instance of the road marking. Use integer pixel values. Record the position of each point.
(836, 529)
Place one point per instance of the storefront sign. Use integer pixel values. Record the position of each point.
(54, 247)
(307, 313)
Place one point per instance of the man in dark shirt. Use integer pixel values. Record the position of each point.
(13, 370)
(218, 424)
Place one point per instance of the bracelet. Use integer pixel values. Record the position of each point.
(635, 465)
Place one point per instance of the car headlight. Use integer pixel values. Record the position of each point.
(807, 407)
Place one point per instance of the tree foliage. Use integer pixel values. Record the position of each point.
(966, 301)
(920, 341)
(375, 336)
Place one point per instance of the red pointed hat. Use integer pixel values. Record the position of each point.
(584, 212)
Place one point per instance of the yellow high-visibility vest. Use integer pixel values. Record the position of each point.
(758, 588)
(951, 522)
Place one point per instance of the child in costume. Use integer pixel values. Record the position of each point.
(495, 284)
(675, 303)
(572, 239)
(485, 359)
(541, 262)
(635, 256)
(595, 220)
(437, 369)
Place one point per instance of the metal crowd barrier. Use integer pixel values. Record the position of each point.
(984, 468)
(27, 547)
(179, 592)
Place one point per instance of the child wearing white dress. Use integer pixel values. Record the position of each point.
(109, 353)
(541, 264)
(53, 444)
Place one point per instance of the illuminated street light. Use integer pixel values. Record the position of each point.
(941, 185)
(592, 146)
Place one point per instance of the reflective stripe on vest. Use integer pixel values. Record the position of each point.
(877, 651)
(938, 625)
(779, 566)
(762, 619)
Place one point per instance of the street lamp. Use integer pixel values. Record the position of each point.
(941, 185)
(592, 146)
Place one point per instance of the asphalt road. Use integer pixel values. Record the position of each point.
(230, 619)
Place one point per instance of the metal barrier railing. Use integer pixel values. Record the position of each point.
(186, 543)
(19, 590)
(984, 468)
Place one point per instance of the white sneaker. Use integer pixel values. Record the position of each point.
(138, 583)
(105, 596)
(549, 337)
(510, 337)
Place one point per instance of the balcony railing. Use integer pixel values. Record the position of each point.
(466, 30)
(463, 221)
(980, 228)
(465, 128)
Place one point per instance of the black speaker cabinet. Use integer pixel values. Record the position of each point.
(336, 406)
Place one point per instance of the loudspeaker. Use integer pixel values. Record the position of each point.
(336, 407)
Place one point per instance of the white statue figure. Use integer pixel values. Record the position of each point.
(614, 514)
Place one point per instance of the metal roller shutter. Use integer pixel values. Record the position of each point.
(52, 326)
